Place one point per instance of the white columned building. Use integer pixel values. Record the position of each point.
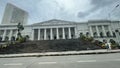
(60, 29)
(55, 29)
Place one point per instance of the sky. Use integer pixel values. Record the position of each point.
(69, 10)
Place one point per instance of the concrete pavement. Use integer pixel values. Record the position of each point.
(73, 61)
(101, 51)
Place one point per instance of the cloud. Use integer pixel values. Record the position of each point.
(73, 10)
(98, 7)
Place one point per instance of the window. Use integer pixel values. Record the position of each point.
(6, 38)
(114, 35)
(108, 34)
(87, 34)
(95, 34)
(101, 34)
(81, 34)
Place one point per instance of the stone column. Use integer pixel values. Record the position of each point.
(4, 34)
(110, 31)
(63, 33)
(98, 33)
(76, 33)
(32, 34)
(11, 31)
(51, 34)
(38, 34)
(104, 30)
(16, 33)
(45, 34)
(91, 32)
(57, 34)
(69, 30)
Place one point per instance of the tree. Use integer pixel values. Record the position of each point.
(20, 28)
(19, 36)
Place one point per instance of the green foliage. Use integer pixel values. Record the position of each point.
(86, 38)
(20, 27)
(20, 38)
(113, 43)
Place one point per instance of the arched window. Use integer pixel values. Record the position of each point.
(87, 34)
(60, 36)
(101, 34)
(49, 37)
(114, 35)
(108, 34)
(6, 38)
(72, 36)
(95, 34)
(13, 38)
(81, 34)
(66, 36)
(116, 30)
(54, 37)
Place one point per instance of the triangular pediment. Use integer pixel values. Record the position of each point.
(54, 22)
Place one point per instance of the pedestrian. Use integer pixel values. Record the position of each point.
(108, 46)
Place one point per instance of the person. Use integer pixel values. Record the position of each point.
(108, 46)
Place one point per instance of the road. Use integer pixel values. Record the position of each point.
(73, 61)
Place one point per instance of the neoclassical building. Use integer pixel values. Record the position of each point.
(55, 29)
(60, 29)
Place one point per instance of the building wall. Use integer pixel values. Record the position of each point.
(36, 32)
(14, 15)
(81, 28)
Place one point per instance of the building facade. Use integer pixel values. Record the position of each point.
(55, 29)
(59, 29)
(14, 15)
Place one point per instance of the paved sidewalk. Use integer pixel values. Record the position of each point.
(86, 52)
